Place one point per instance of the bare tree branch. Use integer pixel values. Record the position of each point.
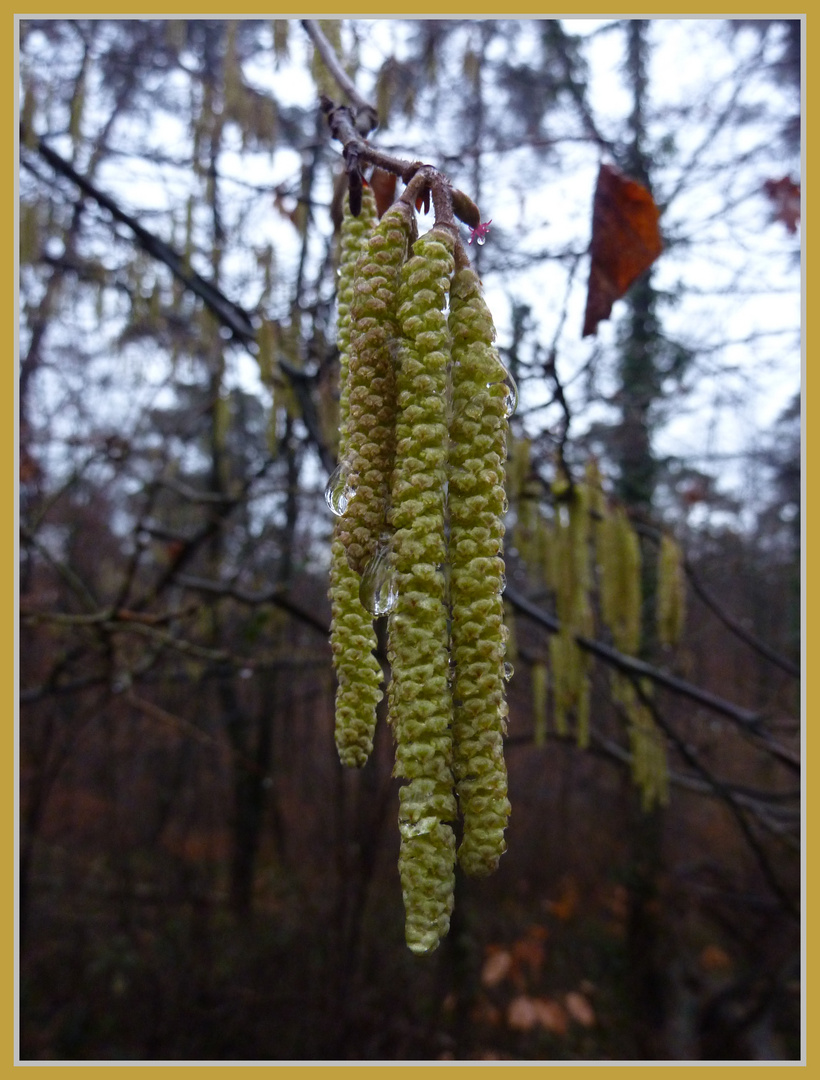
(366, 115)
(638, 668)
(230, 314)
(723, 792)
(728, 621)
(739, 631)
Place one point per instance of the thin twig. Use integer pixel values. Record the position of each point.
(739, 631)
(274, 595)
(366, 115)
(230, 314)
(728, 621)
(723, 792)
(633, 667)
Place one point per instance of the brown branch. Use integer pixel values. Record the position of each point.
(739, 631)
(366, 115)
(448, 203)
(728, 621)
(725, 795)
(760, 803)
(275, 596)
(230, 314)
(638, 668)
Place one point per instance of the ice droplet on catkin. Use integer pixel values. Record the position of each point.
(378, 593)
(339, 490)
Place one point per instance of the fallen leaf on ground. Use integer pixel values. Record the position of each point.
(522, 1014)
(525, 1013)
(579, 1009)
(551, 1015)
(496, 968)
(714, 958)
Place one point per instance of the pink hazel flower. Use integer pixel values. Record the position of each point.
(479, 233)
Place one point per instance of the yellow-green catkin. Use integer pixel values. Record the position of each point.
(420, 701)
(619, 560)
(619, 564)
(371, 443)
(524, 489)
(325, 82)
(650, 770)
(571, 581)
(671, 594)
(477, 502)
(352, 637)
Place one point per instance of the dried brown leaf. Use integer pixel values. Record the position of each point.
(579, 1009)
(626, 240)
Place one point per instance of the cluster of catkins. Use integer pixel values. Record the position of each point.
(588, 551)
(419, 498)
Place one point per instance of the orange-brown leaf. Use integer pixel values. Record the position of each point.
(551, 1016)
(785, 197)
(714, 958)
(528, 952)
(567, 903)
(522, 1014)
(580, 1009)
(384, 190)
(525, 1013)
(626, 240)
(496, 967)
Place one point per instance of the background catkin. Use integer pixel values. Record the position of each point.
(420, 702)
(671, 595)
(619, 558)
(477, 501)
(352, 637)
(571, 580)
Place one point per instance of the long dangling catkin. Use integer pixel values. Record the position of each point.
(419, 698)
(650, 770)
(371, 444)
(476, 505)
(619, 558)
(671, 599)
(619, 562)
(352, 637)
(569, 577)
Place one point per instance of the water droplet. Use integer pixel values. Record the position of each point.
(378, 592)
(481, 240)
(339, 490)
(505, 503)
(503, 581)
(509, 670)
(511, 399)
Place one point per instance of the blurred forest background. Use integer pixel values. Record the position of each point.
(198, 876)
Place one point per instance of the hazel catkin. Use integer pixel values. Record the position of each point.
(352, 638)
(371, 445)
(419, 697)
(476, 500)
